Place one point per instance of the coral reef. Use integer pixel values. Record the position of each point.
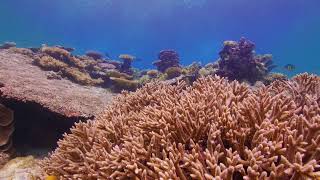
(6, 129)
(214, 129)
(238, 61)
(167, 58)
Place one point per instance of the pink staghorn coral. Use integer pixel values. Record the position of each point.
(212, 129)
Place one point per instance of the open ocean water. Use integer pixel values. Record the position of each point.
(196, 29)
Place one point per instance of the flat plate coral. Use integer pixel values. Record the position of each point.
(24, 82)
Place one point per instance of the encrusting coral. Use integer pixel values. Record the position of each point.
(214, 129)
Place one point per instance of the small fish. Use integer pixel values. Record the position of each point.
(289, 67)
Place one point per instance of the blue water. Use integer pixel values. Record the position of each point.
(289, 29)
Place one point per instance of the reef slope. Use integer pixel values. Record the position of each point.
(21, 81)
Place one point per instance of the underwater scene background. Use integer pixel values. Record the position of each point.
(287, 29)
(159, 89)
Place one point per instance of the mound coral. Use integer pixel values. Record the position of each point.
(6, 129)
(238, 61)
(167, 59)
(212, 129)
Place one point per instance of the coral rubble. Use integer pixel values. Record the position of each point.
(212, 129)
(238, 61)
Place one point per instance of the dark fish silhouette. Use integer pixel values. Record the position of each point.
(289, 67)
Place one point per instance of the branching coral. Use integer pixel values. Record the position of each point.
(212, 129)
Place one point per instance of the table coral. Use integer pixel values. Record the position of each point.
(212, 129)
